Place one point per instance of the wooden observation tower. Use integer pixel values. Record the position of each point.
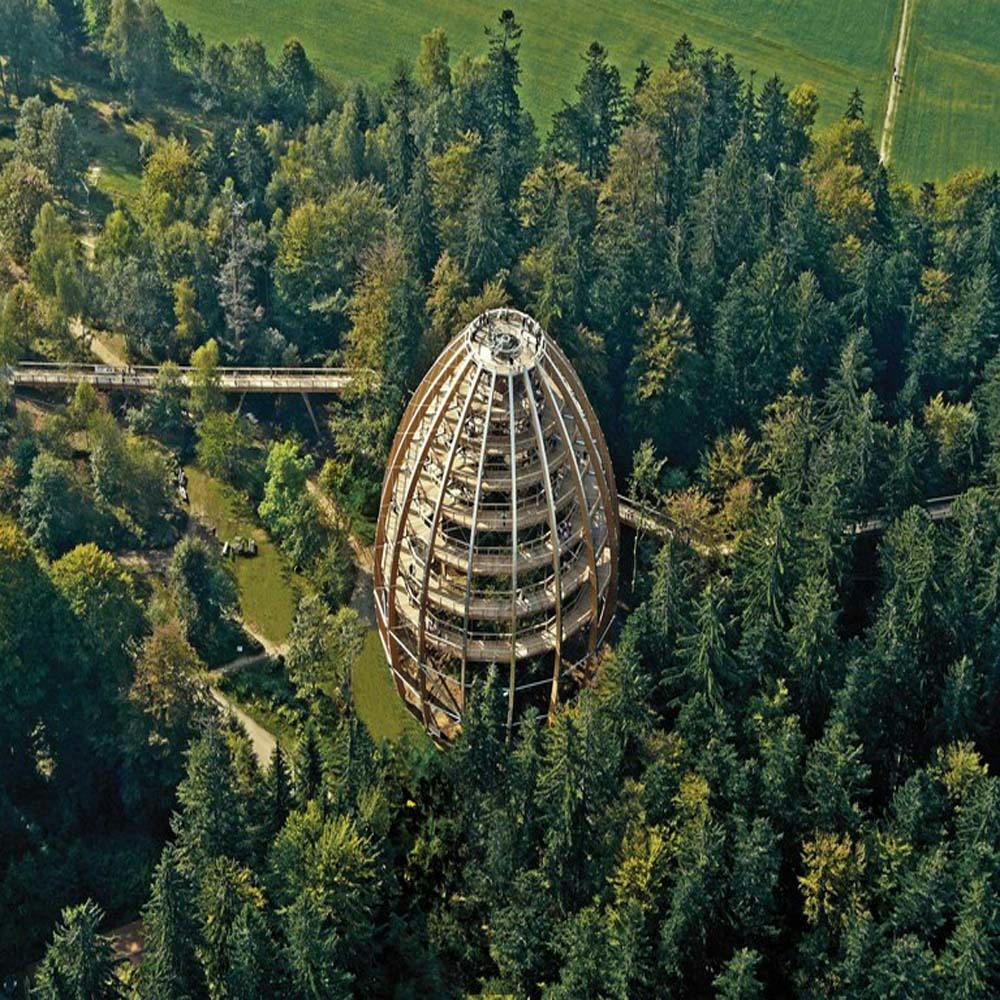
(497, 537)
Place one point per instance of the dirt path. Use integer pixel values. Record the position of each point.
(895, 83)
(276, 650)
(240, 662)
(263, 741)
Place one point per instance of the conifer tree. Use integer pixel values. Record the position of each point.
(278, 789)
(584, 132)
(401, 147)
(307, 767)
(169, 969)
(79, 962)
(739, 979)
(212, 819)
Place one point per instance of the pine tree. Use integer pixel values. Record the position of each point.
(418, 223)
(212, 819)
(836, 780)
(487, 232)
(588, 964)
(855, 111)
(251, 163)
(706, 664)
(584, 132)
(510, 132)
(72, 25)
(739, 979)
(278, 789)
(251, 961)
(169, 969)
(307, 767)
(234, 944)
(295, 81)
(772, 142)
(243, 248)
(79, 961)
(401, 147)
(312, 952)
(480, 758)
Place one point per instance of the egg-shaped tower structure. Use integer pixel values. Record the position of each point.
(497, 537)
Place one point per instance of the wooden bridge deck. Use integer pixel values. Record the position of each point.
(642, 518)
(40, 375)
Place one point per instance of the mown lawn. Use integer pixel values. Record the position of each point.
(949, 109)
(835, 46)
(268, 594)
(268, 588)
(375, 697)
(263, 691)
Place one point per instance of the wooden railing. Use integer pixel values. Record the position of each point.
(40, 374)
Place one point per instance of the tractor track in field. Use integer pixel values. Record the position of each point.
(896, 81)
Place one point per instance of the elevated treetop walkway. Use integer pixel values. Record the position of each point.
(45, 374)
(41, 374)
(654, 522)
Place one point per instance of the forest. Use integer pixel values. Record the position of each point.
(780, 782)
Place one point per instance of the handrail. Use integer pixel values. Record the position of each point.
(100, 369)
(235, 378)
(303, 378)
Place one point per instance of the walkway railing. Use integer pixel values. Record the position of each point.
(40, 374)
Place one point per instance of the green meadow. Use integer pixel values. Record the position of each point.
(375, 696)
(268, 588)
(834, 46)
(949, 107)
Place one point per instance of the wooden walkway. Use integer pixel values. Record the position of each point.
(653, 522)
(639, 517)
(42, 375)
(938, 509)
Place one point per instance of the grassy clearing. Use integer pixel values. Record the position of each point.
(375, 697)
(950, 101)
(268, 594)
(269, 589)
(835, 46)
(264, 692)
(112, 136)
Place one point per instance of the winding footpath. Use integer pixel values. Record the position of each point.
(263, 741)
(896, 82)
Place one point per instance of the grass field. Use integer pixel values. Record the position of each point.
(375, 697)
(835, 46)
(949, 110)
(268, 588)
(268, 594)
